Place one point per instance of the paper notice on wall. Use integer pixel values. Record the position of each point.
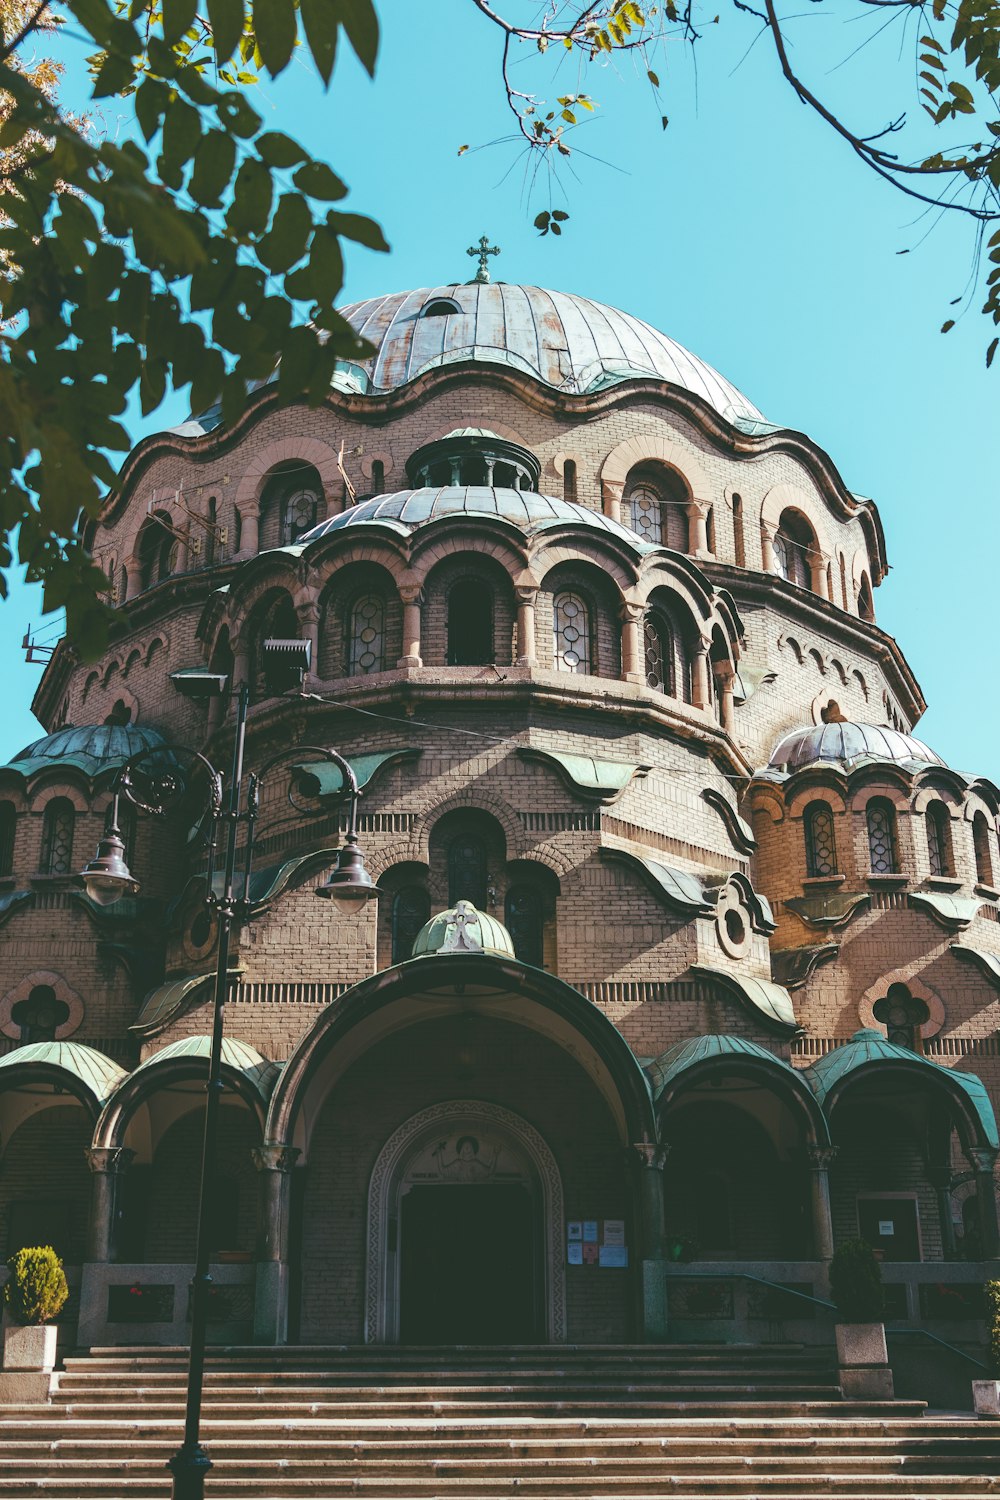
(614, 1231)
(886, 1227)
(574, 1253)
(590, 1231)
(574, 1229)
(613, 1255)
(590, 1253)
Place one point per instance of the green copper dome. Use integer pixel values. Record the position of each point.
(91, 748)
(463, 929)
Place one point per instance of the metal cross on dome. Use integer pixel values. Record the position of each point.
(484, 250)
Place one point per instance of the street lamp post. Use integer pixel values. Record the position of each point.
(154, 780)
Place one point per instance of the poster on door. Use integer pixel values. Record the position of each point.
(596, 1242)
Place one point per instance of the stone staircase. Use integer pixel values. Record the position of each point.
(673, 1421)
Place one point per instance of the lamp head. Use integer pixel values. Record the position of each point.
(199, 682)
(349, 886)
(107, 878)
(286, 661)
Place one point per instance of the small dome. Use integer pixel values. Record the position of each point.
(406, 510)
(846, 744)
(92, 748)
(464, 929)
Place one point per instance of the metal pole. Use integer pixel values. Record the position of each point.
(191, 1463)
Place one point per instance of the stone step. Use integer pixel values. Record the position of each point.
(560, 1392)
(747, 1369)
(531, 1409)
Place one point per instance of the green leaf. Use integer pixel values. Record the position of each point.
(286, 240)
(178, 15)
(317, 180)
(991, 351)
(251, 205)
(358, 228)
(946, 327)
(213, 168)
(151, 100)
(275, 28)
(653, 78)
(319, 22)
(226, 18)
(359, 20)
(278, 150)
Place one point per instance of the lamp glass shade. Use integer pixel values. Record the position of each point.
(349, 887)
(107, 878)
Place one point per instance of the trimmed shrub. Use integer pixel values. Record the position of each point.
(856, 1282)
(992, 1291)
(36, 1289)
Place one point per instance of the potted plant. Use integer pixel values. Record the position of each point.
(986, 1393)
(679, 1247)
(856, 1285)
(34, 1294)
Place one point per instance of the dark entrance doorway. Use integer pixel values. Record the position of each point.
(467, 1266)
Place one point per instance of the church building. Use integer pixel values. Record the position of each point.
(685, 961)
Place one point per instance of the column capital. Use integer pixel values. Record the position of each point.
(821, 1157)
(629, 610)
(275, 1158)
(651, 1154)
(982, 1157)
(109, 1159)
(526, 593)
(411, 593)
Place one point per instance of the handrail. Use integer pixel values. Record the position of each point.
(830, 1307)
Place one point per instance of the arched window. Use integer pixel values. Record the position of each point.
(237, 530)
(470, 624)
(57, 837)
(641, 511)
(441, 307)
(794, 547)
(902, 1015)
(984, 854)
(880, 816)
(571, 628)
(821, 846)
(739, 537)
(157, 551)
(299, 510)
(938, 824)
(569, 479)
(866, 606)
(276, 621)
(524, 917)
(710, 529)
(367, 636)
(658, 645)
(843, 581)
(378, 476)
(411, 908)
(468, 877)
(40, 1016)
(8, 834)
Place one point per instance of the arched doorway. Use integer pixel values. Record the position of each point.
(464, 1231)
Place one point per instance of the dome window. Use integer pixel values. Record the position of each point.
(571, 620)
(880, 816)
(821, 847)
(984, 854)
(367, 636)
(441, 307)
(57, 837)
(411, 909)
(474, 456)
(938, 823)
(794, 549)
(470, 625)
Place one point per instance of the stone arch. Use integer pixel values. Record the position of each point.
(468, 801)
(381, 1278)
(323, 457)
(552, 552)
(139, 1087)
(450, 537)
(652, 447)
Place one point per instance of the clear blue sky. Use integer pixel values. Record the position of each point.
(746, 231)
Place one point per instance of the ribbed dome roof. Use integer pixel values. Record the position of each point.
(569, 342)
(843, 744)
(91, 748)
(463, 929)
(406, 510)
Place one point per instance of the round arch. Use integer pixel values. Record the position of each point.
(524, 1144)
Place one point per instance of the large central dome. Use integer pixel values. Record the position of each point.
(570, 343)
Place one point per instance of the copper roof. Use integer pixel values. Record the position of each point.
(569, 342)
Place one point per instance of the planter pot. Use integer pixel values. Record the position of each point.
(29, 1355)
(864, 1362)
(986, 1398)
(29, 1346)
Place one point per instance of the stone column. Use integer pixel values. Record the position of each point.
(631, 618)
(697, 519)
(766, 549)
(983, 1159)
(651, 1159)
(275, 1165)
(250, 532)
(413, 599)
(526, 656)
(821, 1158)
(724, 678)
(611, 494)
(700, 690)
(941, 1180)
(107, 1163)
(817, 575)
(308, 615)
